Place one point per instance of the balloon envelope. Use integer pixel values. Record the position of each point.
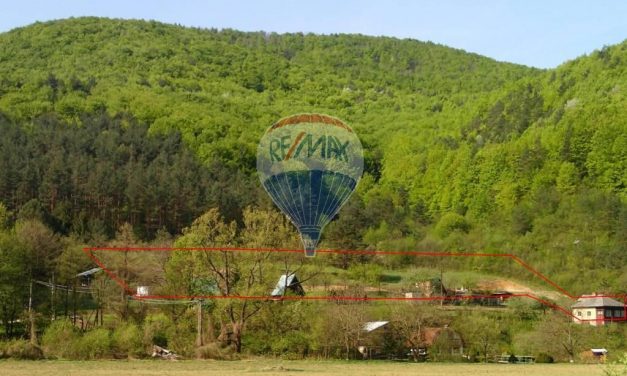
(310, 164)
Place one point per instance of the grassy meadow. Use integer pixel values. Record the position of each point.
(280, 367)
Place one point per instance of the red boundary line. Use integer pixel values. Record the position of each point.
(89, 251)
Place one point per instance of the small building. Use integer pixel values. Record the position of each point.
(448, 339)
(501, 296)
(87, 276)
(597, 310)
(434, 290)
(371, 343)
(288, 282)
(438, 341)
(371, 326)
(599, 354)
(142, 291)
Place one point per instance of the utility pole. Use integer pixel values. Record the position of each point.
(30, 296)
(199, 324)
(441, 288)
(100, 290)
(31, 316)
(74, 303)
(65, 300)
(97, 306)
(52, 291)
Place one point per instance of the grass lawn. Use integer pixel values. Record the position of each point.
(267, 367)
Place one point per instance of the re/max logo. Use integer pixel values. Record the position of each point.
(305, 146)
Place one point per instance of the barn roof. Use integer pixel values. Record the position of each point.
(428, 336)
(289, 281)
(89, 272)
(596, 302)
(374, 325)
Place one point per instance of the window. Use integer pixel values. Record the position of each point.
(578, 313)
(607, 314)
(589, 313)
(618, 313)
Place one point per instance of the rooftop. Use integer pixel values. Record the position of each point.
(374, 325)
(289, 281)
(594, 301)
(89, 272)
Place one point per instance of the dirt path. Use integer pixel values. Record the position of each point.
(517, 288)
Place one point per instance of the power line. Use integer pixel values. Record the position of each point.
(82, 290)
(163, 301)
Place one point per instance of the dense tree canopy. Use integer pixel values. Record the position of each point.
(112, 124)
(99, 115)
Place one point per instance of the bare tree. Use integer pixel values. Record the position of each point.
(560, 335)
(233, 275)
(409, 322)
(345, 325)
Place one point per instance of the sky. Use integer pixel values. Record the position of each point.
(539, 33)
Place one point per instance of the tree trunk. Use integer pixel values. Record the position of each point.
(33, 329)
(209, 333)
(237, 336)
(224, 335)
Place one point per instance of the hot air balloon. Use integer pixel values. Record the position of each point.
(310, 164)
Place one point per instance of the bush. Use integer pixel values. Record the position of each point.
(127, 340)
(156, 330)
(292, 346)
(59, 339)
(94, 344)
(544, 358)
(618, 368)
(20, 349)
(214, 351)
(182, 338)
(62, 339)
(178, 336)
(3, 350)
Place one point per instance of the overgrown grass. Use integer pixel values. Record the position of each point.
(276, 367)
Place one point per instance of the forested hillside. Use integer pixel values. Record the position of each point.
(107, 122)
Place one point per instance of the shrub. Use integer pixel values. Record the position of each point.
(214, 351)
(178, 336)
(127, 339)
(3, 350)
(20, 349)
(63, 340)
(618, 368)
(293, 346)
(94, 344)
(544, 358)
(60, 338)
(156, 330)
(182, 337)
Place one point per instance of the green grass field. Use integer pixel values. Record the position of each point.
(267, 367)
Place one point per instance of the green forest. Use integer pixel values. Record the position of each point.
(137, 133)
